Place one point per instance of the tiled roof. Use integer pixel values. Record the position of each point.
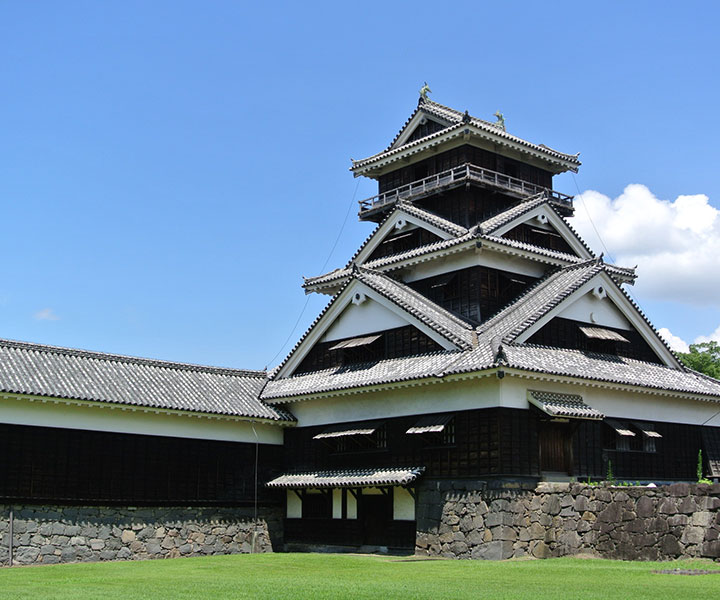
(564, 405)
(410, 209)
(50, 371)
(456, 119)
(537, 301)
(393, 370)
(348, 478)
(491, 225)
(603, 367)
(385, 261)
(451, 327)
(496, 221)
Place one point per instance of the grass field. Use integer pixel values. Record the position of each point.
(279, 576)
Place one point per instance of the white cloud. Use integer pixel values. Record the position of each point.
(46, 314)
(675, 342)
(713, 337)
(676, 245)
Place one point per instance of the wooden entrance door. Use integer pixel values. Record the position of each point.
(376, 515)
(555, 448)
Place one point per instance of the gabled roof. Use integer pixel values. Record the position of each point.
(51, 371)
(500, 344)
(466, 242)
(436, 224)
(537, 301)
(419, 311)
(451, 327)
(460, 124)
(613, 369)
(540, 204)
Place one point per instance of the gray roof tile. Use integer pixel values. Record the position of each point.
(603, 367)
(455, 118)
(348, 478)
(50, 371)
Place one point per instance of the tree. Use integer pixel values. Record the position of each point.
(703, 357)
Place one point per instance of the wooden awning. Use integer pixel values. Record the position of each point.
(347, 429)
(355, 342)
(351, 478)
(647, 430)
(567, 406)
(431, 423)
(620, 428)
(600, 333)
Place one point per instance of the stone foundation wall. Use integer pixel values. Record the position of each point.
(55, 534)
(477, 520)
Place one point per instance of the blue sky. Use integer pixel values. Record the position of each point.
(170, 170)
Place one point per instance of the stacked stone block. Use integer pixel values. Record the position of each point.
(48, 535)
(475, 520)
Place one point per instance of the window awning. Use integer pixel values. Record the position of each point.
(347, 478)
(345, 429)
(354, 342)
(647, 430)
(620, 428)
(568, 406)
(711, 449)
(600, 333)
(431, 423)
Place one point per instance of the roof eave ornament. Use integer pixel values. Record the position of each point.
(500, 123)
(424, 91)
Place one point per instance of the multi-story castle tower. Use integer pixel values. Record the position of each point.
(473, 336)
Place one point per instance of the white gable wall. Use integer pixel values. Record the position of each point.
(590, 309)
(464, 260)
(368, 317)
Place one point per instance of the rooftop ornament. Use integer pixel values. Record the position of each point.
(500, 123)
(424, 91)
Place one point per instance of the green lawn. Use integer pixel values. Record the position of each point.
(280, 576)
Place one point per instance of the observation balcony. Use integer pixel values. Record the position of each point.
(467, 173)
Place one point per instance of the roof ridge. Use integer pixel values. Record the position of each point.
(532, 293)
(106, 356)
(512, 213)
(419, 296)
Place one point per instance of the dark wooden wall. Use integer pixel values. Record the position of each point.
(393, 343)
(467, 205)
(459, 156)
(487, 442)
(66, 465)
(674, 456)
(565, 333)
(503, 442)
(475, 293)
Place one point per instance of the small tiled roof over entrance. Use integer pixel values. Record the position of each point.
(569, 406)
(51, 371)
(348, 478)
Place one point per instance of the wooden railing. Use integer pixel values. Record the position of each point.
(466, 172)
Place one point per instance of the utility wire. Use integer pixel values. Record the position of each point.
(322, 270)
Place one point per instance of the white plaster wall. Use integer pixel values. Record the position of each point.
(368, 317)
(337, 504)
(463, 260)
(620, 403)
(589, 309)
(424, 399)
(103, 417)
(351, 506)
(403, 505)
(294, 505)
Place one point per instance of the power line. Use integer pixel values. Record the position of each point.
(322, 270)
